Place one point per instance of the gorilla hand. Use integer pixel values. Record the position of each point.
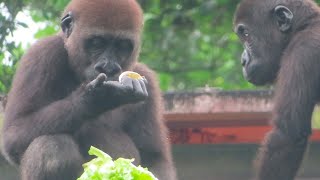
(106, 95)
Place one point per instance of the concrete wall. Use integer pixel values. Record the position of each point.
(214, 162)
(231, 162)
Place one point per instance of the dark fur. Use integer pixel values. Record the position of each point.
(283, 48)
(55, 111)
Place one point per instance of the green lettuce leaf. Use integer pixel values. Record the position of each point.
(104, 168)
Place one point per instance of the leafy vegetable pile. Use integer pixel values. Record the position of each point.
(104, 168)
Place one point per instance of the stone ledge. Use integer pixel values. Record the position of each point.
(213, 101)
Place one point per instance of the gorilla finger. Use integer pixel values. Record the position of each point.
(143, 86)
(96, 82)
(137, 86)
(90, 86)
(93, 84)
(127, 81)
(139, 89)
(115, 85)
(144, 80)
(101, 78)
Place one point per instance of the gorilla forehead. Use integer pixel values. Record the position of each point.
(107, 14)
(258, 12)
(253, 10)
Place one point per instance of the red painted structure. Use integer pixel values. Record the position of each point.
(217, 128)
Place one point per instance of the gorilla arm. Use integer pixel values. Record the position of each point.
(47, 99)
(148, 131)
(296, 95)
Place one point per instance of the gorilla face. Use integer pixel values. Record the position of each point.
(264, 38)
(95, 50)
(107, 54)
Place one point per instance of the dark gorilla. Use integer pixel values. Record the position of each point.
(65, 97)
(281, 39)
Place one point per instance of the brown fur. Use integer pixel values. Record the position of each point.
(288, 57)
(51, 119)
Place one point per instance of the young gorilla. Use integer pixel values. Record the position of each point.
(281, 40)
(65, 97)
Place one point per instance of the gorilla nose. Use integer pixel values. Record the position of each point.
(244, 58)
(110, 69)
(243, 61)
(113, 69)
(100, 66)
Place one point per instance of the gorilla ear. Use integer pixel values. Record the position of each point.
(283, 17)
(66, 24)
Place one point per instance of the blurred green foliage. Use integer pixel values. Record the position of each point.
(189, 43)
(316, 118)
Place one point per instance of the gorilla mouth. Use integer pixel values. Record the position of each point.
(112, 78)
(246, 74)
(253, 75)
(256, 76)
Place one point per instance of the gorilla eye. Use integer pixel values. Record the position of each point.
(242, 31)
(97, 42)
(124, 45)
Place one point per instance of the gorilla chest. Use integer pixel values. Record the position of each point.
(106, 133)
